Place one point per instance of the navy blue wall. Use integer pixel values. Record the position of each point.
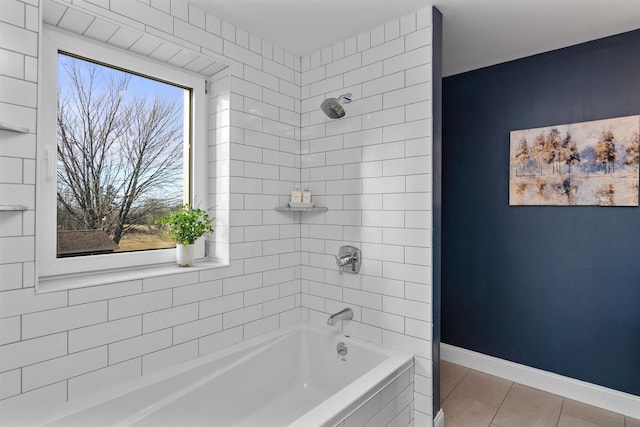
(556, 288)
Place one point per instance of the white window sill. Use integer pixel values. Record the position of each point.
(67, 282)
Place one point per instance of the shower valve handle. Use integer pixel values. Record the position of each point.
(348, 255)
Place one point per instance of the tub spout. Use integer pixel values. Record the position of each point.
(346, 314)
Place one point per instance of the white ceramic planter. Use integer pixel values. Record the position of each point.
(184, 254)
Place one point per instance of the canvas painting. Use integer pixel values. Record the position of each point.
(591, 163)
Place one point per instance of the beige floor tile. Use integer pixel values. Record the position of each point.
(632, 422)
(462, 411)
(593, 414)
(484, 387)
(447, 385)
(525, 406)
(469, 398)
(567, 420)
(452, 370)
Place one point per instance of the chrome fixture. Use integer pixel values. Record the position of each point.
(332, 107)
(342, 349)
(345, 314)
(349, 255)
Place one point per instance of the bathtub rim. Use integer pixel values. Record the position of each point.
(56, 412)
(334, 410)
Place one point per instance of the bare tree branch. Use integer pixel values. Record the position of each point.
(116, 157)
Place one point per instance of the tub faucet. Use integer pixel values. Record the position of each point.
(346, 314)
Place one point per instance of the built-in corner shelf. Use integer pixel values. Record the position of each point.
(7, 208)
(13, 128)
(313, 209)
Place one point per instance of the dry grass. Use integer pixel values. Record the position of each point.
(142, 239)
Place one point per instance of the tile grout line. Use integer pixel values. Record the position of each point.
(502, 403)
(561, 409)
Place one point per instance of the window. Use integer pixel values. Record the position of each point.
(122, 153)
(119, 133)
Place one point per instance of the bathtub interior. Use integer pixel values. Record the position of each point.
(119, 404)
(286, 380)
(273, 381)
(270, 389)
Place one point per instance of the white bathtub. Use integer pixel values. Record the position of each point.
(292, 376)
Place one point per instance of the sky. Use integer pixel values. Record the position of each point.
(138, 86)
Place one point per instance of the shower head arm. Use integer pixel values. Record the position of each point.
(346, 98)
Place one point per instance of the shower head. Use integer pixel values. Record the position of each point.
(332, 107)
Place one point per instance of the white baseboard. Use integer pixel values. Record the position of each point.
(606, 398)
(438, 421)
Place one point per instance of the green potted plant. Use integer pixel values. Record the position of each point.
(184, 226)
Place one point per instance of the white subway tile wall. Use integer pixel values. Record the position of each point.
(372, 169)
(391, 406)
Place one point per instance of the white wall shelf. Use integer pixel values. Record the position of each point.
(13, 128)
(5, 208)
(313, 209)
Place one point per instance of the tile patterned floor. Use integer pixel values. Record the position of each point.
(475, 399)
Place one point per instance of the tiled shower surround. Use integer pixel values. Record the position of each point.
(372, 169)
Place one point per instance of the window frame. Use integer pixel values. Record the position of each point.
(55, 41)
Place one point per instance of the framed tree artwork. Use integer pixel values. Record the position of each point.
(590, 164)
